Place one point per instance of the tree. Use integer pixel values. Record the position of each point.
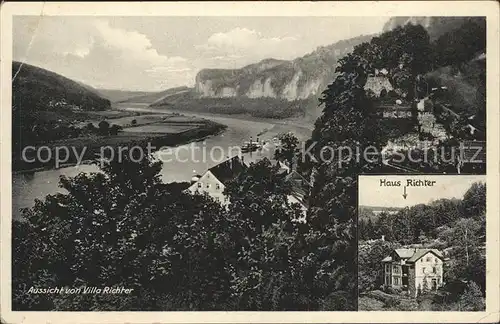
(474, 201)
(120, 227)
(288, 149)
(370, 269)
(270, 270)
(384, 226)
(114, 129)
(346, 123)
(104, 127)
(472, 298)
(460, 45)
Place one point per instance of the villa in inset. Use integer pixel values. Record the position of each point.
(413, 270)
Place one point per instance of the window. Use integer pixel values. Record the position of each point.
(395, 269)
(423, 270)
(439, 281)
(434, 270)
(428, 259)
(396, 280)
(208, 185)
(199, 184)
(217, 186)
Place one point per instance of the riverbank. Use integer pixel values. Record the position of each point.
(291, 121)
(71, 152)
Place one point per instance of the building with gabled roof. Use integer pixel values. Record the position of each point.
(413, 270)
(379, 84)
(214, 180)
(300, 190)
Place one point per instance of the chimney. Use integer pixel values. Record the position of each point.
(383, 238)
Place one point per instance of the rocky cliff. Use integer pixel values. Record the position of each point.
(290, 80)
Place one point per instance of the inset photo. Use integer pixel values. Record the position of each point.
(422, 243)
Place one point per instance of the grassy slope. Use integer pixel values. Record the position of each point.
(33, 88)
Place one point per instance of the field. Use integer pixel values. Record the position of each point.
(160, 128)
(156, 133)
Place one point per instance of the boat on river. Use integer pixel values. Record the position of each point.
(249, 146)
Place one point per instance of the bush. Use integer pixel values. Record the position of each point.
(104, 127)
(390, 290)
(392, 303)
(114, 129)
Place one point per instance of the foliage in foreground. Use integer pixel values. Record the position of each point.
(122, 228)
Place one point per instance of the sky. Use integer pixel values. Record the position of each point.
(156, 53)
(446, 186)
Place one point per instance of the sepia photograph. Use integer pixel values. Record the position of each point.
(422, 243)
(184, 161)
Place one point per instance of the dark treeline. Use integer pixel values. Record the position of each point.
(123, 228)
(411, 224)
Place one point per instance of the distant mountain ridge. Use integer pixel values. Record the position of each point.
(305, 76)
(297, 79)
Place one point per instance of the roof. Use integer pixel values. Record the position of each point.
(421, 252)
(228, 170)
(377, 84)
(282, 167)
(405, 253)
(413, 254)
(300, 186)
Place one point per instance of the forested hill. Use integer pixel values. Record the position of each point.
(435, 26)
(34, 88)
(43, 100)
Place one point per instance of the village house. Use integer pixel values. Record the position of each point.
(413, 270)
(214, 180)
(300, 187)
(379, 83)
(300, 190)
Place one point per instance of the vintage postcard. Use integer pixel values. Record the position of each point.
(250, 162)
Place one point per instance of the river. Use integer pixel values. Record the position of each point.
(179, 163)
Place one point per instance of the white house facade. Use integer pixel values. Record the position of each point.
(413, 270)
